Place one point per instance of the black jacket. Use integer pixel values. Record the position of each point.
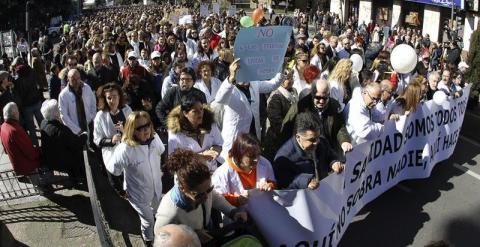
(173, 98)
(332, 122)
(54, 86)
(61, 149)
(453, 56)
(99, 77)
(294, 168)
(221, 69)
(26, 87)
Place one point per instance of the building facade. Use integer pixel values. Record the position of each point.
(430, 16)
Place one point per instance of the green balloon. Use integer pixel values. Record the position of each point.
(246, 21)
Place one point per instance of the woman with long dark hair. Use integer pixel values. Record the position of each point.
(204, 53)
(191, 125)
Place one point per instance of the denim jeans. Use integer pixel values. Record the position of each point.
(28, 113)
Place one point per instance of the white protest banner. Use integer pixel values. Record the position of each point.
(204, 9)
(408, 149)
(216, 8)
(232, 10)
(261, 51)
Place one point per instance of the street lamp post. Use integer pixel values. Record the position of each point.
(451, 16)
(27, 23)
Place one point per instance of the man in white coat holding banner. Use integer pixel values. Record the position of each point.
(241, 105)
(361, 114)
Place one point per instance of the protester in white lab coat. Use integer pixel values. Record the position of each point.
(191, 126)
(204, 53)
(77, 104)
(108, 126)
(110, 119)
(206, 83)
(361, 112)
(244, 169)
(138, 156)
(299, 82)
(241, 105)
(383, 107)
(339, 82)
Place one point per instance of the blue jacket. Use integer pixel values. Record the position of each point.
(294, 168)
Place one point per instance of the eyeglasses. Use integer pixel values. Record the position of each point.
(199, 195)
(375, 100)
(144, 127)
(132, 58)
(321, 97)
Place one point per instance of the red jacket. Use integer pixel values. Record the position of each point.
(25, 158)
(214, 40)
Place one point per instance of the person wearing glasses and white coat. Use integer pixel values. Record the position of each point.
(361, 114)
(138, 157)
(241, 105)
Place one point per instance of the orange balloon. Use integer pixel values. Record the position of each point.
(257, 15)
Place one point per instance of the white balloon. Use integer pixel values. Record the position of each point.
(357, 62)
(403, 59)
(439, 97)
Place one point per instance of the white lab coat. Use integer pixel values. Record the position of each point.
(68, 107)
(197, 58)
(360, 124)
(215, 84)
(180, 140)
(226, 179)
(191, 46)
(104, 128)
(382, 111)
(299, 84)
(142, 169)
(316, 61)
(337, 92)
(238, 112)
(167, 84)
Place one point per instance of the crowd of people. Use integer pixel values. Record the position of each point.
(153, 97)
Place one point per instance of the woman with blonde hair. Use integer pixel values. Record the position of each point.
(138, 157)
(339, 82)
(408, 101)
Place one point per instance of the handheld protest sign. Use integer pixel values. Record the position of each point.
(216, 8)
(261, 51)
(204, 10)
(232, 10)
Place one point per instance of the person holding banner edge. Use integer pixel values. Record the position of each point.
(305, 158)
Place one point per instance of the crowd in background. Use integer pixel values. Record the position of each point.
(150, 97)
